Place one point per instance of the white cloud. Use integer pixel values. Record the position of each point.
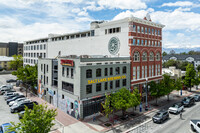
(122, 4)
(178, 3)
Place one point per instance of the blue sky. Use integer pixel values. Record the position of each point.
(22, 20)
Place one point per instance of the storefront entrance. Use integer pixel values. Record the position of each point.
(92, 106)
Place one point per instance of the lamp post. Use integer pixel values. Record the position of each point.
(146, 86)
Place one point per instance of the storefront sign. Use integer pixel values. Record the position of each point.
(67, 62)
(51, 92)
(106, 79)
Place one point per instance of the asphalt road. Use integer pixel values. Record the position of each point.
(176, 125)
(5, 115)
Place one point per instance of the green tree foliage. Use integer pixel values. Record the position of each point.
(178, 85)
(135, 98)
(164, 53)
(156, 90)
(108, 109)
(38, 120)
(178, 64)
(16, 63)
(189, 80)
(121, 100)
(198, 68)
(196, 81)
(27, 74)
(167, 84)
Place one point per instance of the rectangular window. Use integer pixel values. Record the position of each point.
(145, 42)
(88, 89)
(138, 29)
(63, 97)
(138, 72)
(117, 83)
(72, 105)
(44, 46)
(63, 71)
(47, 80)
(138, 41)
(98, 87)
(155, 32)
(117, 70)
(72, 72)
(158, 44)
(149, 43)
(67, 87)
(142, 71)
(142, 43)
(124, 82)
(134, 28)
(149, 71)
(158, 32)
(142, 29)
(106, 85)
(152, 31)
(47, 68)
(145, 71)
(134, 73)
(152, 70)
(111, 71)
(98, 72)
(155, 43)
(106, 72)
(41, 67)
(89, 73)
(156, 70)
(111, 84)
(134, 42)
(152, 43)
(67, 72)
(149, 30)
(145, 30)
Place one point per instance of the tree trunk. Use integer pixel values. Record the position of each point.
(123, 112)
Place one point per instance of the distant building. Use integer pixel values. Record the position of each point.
(173, 72)
(4, 62)
(11, 48)
(194, 59)
(77, 84)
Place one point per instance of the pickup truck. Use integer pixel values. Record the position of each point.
(195, 125)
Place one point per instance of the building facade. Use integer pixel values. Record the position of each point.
(77, 84)
(4, 62)
(11, 48)
(194, 59)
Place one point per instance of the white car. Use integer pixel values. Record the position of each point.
(16, 101)
(20, 102)
(176, 108)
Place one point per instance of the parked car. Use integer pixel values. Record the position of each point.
(195, 125)
(23, 101)
(11, 80)
(4, 88)
(12, 94)
(4, 128)
(188, 101)
(196, 98)
(9, 91)
(14, 98)
(160, 116)
(21, 114)
(176, 108)
(16, 101)
(21, 106)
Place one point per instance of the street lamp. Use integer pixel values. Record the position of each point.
(146, 88)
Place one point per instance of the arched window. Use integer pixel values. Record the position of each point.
(98, 72)
(144, 56)
(89, 73)
(151, 56)
(158, 56)
(136, 56)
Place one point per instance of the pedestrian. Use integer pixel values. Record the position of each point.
(94, 117)
(180, 115)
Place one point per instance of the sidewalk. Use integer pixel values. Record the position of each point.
(103, 124)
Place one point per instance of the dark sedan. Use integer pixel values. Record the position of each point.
(14, 98)
(160, 116)
(21, 106)
(196, 98)
(11, 80)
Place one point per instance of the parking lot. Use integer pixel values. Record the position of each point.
(5, 115)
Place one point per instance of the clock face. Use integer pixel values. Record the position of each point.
(113, 45)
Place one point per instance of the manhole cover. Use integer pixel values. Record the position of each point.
(107, 124)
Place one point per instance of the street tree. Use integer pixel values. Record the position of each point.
(135, 98)
(167, 84)
(156, 90)
(189, 80)
(178, 85)
(122, 100)
(16, 63)
(196, 81)
(198, 68)
(108, 108)
(38, 120)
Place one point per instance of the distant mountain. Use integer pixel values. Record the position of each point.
(179, 50)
